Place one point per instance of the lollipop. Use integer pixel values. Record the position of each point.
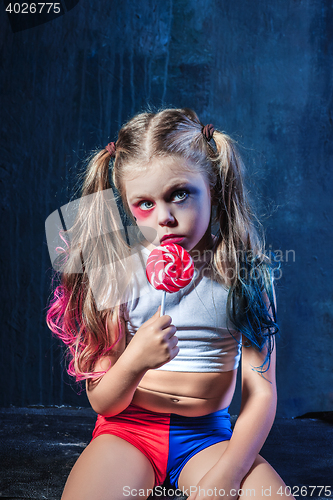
(169, 268)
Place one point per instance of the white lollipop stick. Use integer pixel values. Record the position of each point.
(163, 304)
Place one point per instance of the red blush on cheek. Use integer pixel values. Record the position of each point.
(140, 214)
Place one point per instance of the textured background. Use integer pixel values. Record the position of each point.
(261, 72)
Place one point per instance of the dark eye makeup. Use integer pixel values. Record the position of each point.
(184, 192)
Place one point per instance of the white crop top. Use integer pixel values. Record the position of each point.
(198, 311)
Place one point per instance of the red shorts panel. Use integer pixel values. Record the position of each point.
(146, 430)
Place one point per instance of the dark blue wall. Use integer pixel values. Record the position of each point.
(261, 72)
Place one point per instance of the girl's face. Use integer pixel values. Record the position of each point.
(174, 200)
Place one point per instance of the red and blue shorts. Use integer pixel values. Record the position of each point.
(166, 439)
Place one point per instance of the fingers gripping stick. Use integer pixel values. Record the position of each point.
(169, 268)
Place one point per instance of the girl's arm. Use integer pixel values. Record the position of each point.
(152, 345)
(257, 412)
(256, 415)
(118, 383)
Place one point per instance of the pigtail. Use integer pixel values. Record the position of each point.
(93, 277)
(240, 258)
(97, 174)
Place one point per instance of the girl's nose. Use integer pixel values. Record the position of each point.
(165, 216)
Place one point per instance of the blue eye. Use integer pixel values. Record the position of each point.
(143, 205)
(181, 195)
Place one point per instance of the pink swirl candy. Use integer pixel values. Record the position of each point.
(169, 268)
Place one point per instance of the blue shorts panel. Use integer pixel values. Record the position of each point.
(189, 435)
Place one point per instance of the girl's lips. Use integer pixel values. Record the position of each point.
(172, 239)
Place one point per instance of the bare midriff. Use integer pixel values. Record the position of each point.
(185, 393)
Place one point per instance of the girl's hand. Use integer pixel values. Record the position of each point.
(154, 344)
(216, 484)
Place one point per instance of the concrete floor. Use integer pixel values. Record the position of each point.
(38, 447)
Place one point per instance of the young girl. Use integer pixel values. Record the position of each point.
(162, 385)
